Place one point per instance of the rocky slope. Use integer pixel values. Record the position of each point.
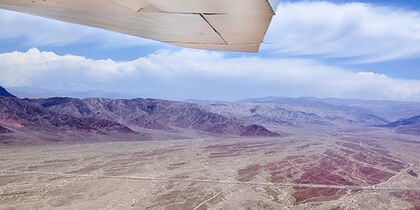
(406, 126)
(21, 114)
(151, 114)
(5, 93)
(257, 130)
(272, 114)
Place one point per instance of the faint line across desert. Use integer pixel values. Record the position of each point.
(366, 188)
(214, 196)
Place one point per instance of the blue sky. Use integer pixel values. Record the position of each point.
(345, 49)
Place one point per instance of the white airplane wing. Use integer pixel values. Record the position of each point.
(229, 25)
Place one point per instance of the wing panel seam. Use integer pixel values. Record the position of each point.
(214, 29)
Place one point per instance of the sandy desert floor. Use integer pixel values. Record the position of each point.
(350, 170)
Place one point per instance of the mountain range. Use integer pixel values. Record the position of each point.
(298, 112)
(129, 117)
(22, 114)
(150, 114)
(156, 118)
(388, 110)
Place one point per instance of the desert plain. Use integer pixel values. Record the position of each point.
(358, 168)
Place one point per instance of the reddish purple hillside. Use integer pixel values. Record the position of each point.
(257, 130)
(24, 114)
(152, 114)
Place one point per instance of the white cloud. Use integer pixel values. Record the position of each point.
(199, 74)
(362, 32)
(365, 32)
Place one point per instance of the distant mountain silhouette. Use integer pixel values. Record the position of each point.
(389, 110)
(5, 93)
(295, 112)
(403, 122)
(406, 126)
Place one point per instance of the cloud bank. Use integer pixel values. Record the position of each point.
(365, 32)
(359, 31)
(199, 74)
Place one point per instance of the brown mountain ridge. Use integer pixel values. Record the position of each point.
(153, 114)
(25, 115)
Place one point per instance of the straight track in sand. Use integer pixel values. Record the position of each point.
(347, 187)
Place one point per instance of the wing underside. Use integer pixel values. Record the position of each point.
(229, 25)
